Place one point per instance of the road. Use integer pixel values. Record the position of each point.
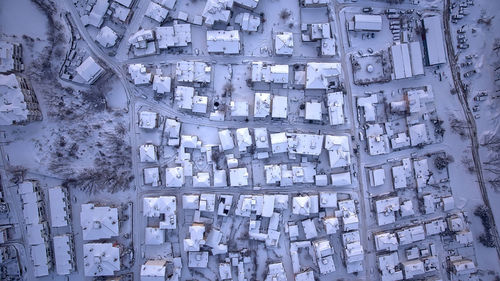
(472, 128)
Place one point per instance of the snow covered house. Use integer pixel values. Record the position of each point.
(98, 222)
(20, 104)
(101, 259)
(223, 42)
(89, 70)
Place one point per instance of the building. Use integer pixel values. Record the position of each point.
(389, 267)
(177, 35)
(269, 73)
(148, 119)
(156, 12)
(279, 107)
(139, 74)
(386, 241)
(152, 176)
(148, 153)
(223, 42)
(262, 105)
(174, 177)
(283, 43)
(238, 177)
(364, 22)
(164, 207)
(247, 21)
(239, 108)
(184, 97)
(162, 84)
(193, 71)
(335, 102)
(434, 40)
(313, 111)
(11, 57)
(59, 206)
(20, 105)
(322, 75)
(89, 70)
(64, 254)
(339, 154)
(96, 15)
(101, 259)
(407, 60)
(248, 4)
(217, 11)
(106, 37)
(98, 222)
(154, 270)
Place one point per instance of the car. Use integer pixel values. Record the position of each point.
(463, 46)
(461, 36)
(367, 9)
(370, 50)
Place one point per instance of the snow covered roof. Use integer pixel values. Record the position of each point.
(280, 107)
(249, 4)
(98, 222)
(148, 119)
(261, 138)
(418, 134)
(177, 35)
(305, 205)
(217, 11)
(193, 71)
(106, 37)
(156, 12)
(319, 75)
(162, 205)
(139, 74)
(226, 139)
(152, 176)
(247, 21)
(197, 259)
(305, 276)
(63, 254)
(377, 176)
(196, 238)
(306, 144)
(341, 179)
(328, 199)
(412, 268)
(201, 179)
(386, 241)
(239, 108)
(368, 22)
(338, 150)
(262, 105)
(279, 142)
(162, 84)
(238, 177)
(14, 106)
(276, 272)
(388, 266)
(174, 177)
(11, 57)
(243, 139)
(148, 153)
(101, 259)
(313, 111)
(283, 43)
(220, 178)
(226, 42)
(40, 256)
(58, 203)
(335, 104)
(96, 15)
(89, 70)
(154, 236)
(200, 104)
(184, 97)
(269, 73)
(434, 40)
(411, 234)
(153, 270)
